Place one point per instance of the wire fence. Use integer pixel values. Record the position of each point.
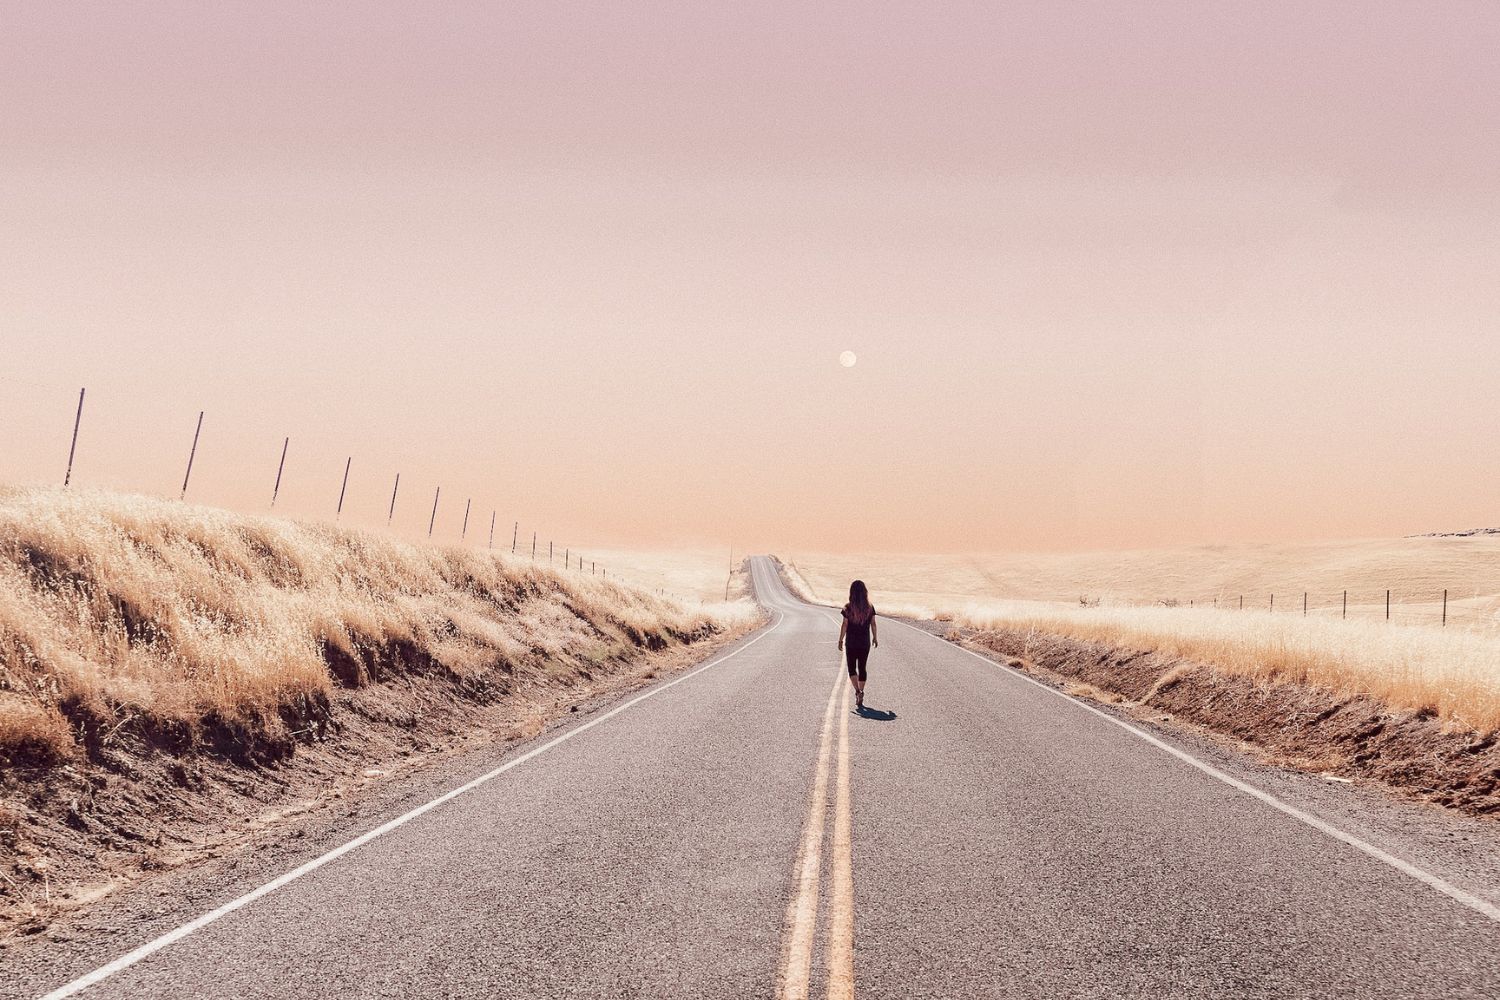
(202, 426)
(1439, 608)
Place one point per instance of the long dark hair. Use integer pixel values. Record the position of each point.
(860, 610)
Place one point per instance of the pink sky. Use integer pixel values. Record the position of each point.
(1117, 275)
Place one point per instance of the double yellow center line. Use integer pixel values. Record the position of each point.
(802, 913)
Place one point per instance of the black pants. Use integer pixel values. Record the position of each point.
(857, 656)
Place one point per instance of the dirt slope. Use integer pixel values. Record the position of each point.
(1299, 725)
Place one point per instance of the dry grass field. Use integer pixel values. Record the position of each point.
(1410, 663)
(687, 574)
(121, 613)
(1416, 570)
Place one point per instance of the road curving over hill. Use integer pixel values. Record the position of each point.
(738, 831)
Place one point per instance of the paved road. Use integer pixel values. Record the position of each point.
(739, 832)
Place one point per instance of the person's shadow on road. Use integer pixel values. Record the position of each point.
(875, 714)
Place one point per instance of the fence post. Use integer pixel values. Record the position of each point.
(492, 527)
(465, 532)
(549, 553)
(1346, 605)
(1387, 605)
(568, 559)
(1304, 604)
(433, 520)
(191, 455)
(1273, 602)
(533, 546)
(1242, 602)
(513, 533)
(72, 448)
(276, 490)
(1445, 606)
(392, 515)
(339, 513)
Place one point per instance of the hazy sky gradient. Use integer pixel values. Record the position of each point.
(1117, 274)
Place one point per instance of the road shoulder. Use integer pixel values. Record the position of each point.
(1461, 849)
(306, 816)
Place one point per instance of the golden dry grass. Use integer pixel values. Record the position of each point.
(134, 606)
(688, 574)
(1453, 671)
(1416, 570)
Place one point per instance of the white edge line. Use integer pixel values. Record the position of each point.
(1405, 867)
(172, 937)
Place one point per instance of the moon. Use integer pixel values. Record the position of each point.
(847, 359)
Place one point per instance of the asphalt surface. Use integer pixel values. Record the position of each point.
(701, 841)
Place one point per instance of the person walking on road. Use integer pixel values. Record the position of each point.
(857, 633)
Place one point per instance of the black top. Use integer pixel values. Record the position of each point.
(858, 634)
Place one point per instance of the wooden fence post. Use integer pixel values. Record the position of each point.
(275, 490)
(1445, 606)
(433, 520)
(191, 455)
(340, 511)
(465, 532)
(492, 527)
(1346, 605)
(73, 448)
(392, 515)
(1387, 605)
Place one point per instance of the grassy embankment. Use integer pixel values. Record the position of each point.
(145, 643)
(115, 609)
